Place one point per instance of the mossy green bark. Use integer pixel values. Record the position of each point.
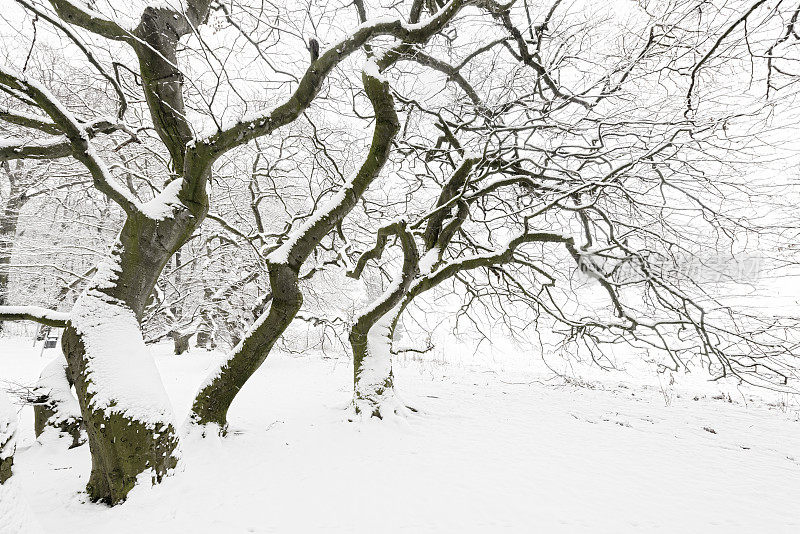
(5, 468)
(213, 401)
(43, 416)
(122, 447)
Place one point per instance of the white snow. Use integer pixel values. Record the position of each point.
(495, 448)
(124, 378)
(15, 513)
(10, 142)
(377, 364)
(35, 311)
(429, 260)
(163, 206)
(371, 69)
(15, 516)
(53, 383)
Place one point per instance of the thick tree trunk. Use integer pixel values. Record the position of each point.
(125, 409)
(59, 410)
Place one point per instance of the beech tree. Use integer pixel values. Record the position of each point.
(561, 145)
(124, 407)
(555, 185)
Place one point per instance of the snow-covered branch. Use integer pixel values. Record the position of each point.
(13, 149)
(250, 128)
(29, 120)
(75, 132)
(396, 228)
(88, 19)
(489, 259)
(36, 314)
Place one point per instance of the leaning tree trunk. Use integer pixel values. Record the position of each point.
(216, 395)
(218, 392)
(56, 408)
(125, 409)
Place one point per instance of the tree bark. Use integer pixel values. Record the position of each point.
(216, 396)
(371, 334)
(130, 431)
(58, 409)
(181, 341)
(8, 432)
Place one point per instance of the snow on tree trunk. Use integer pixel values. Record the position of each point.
(125, 409)
(15, 514)
(374, 393)
(371, 334)
(59, 410)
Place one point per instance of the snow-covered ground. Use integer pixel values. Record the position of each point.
(495, 447)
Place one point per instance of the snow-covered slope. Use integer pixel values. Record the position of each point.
(489, 451)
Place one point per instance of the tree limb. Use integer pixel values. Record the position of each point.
(36, 314)
(76, 134)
